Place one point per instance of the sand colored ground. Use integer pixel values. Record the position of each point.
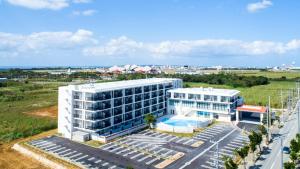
(45, 112)
(10, 159)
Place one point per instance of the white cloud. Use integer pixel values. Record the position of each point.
(253, 7)
(82, 1)
(88, 12)
(40, 4)
(124, 46)
(42, 42)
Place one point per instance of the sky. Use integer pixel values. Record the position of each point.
(173, 32)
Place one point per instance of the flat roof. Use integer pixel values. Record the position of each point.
(207, 91)
(251, 108)
(106, 86)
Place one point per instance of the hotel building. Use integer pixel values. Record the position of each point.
(103, 111)
(208, 103)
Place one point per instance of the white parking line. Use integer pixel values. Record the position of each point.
(113, 150)
(131, 152)
(201, 136)
(178, 141)
(106, 148)
(233, 145)
(205, 166)
(112, 167)
(63, 151)
(105, 164)
(69, 153)
(133, 157)
(75, 155)
(40, 142)
(52, 148)
(201, 139)
(142, 159)
(173, 138)
(92, 158)
(47, 146)
(239, 143)
(152, 161)
(230, 151)
(98, 161)
(231, 148)
(59, 149)
(81, 157)
(187, 142)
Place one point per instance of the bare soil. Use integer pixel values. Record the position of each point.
(45, 112)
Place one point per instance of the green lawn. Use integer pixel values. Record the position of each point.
(21, 98)
(257, 95)
(288, 75)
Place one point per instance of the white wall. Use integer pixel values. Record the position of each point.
(65, 105)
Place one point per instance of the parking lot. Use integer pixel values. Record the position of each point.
(214, 132)
(225, 149)
(149, 149)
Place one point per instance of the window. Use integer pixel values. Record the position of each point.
(224, 99)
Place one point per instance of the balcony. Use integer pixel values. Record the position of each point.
(128, 100)
(118, 93)
(146, 89)
(138, 98)
(153, 94)
(154, 87)
(138, 90)
(146, 96)
(138, 105)
(128, 92)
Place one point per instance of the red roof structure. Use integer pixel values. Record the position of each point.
(250, 108)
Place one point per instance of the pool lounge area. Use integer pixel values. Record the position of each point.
(181, 124)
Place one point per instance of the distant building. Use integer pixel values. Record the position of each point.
(104, 111)
(3, 79)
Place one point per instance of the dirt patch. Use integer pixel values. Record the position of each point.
(45, 112)
(11, 159)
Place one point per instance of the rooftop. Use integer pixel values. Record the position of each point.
(95, 87)
(207, 91)
(250, 108)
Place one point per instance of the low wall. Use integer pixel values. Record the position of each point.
(181, 129)
(175, 129)
(46, 162)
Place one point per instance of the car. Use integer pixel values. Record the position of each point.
(286, 150)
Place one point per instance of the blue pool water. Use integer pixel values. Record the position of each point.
(179, 122)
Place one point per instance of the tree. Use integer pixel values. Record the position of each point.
(255, 139)
(293, 156)
(229, 163)
(289, 165)
(242, 153)
(150, 119)
(262, 130)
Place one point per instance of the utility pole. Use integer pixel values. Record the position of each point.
(282, 111)
(268, 119)
(281, 152)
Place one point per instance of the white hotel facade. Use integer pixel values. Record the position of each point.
(206, 103)
(103, 111)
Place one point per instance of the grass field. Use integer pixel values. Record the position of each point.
(17, 102)
(257, 95)
(288, 75)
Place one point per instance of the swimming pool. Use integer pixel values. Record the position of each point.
(180, 124)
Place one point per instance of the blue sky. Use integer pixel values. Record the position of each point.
(110, 32)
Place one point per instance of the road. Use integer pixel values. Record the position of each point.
(288, 132)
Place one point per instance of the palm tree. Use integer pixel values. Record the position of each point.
(150, 120)
(229, 163)
(242, 153)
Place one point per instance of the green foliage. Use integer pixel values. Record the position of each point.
(242, 152)
(255, 140)
(19, 98)
(150, 119)
(262, 130)
(289, 165)
(229, 163)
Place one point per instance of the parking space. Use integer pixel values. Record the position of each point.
(69, 154)
(147, 150)
(214, 132)
(226, 149)
(170, 138)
